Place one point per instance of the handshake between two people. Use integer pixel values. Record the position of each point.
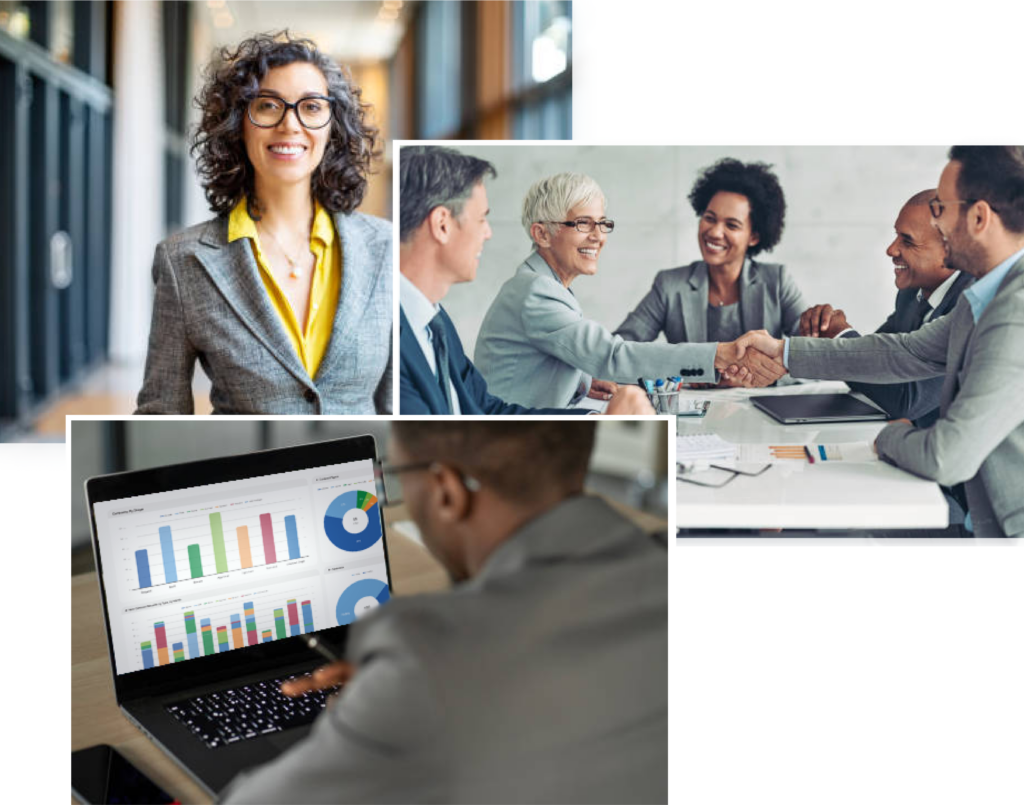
(753, 360)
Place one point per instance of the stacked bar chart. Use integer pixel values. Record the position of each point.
(212, 637)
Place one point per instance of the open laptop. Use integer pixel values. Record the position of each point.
(210, 573)
(800, 409)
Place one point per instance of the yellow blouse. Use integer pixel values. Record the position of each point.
(310, 342)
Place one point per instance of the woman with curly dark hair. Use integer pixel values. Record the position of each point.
(285, 296)
(742, 212)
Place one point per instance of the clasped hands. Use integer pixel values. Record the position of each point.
(752, 360)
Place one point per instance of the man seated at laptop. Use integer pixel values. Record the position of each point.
(541, 677)
(928, 289)
(443, 225)
(976, 446)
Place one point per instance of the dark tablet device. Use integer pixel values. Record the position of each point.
(799, 409)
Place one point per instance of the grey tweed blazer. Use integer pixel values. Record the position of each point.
(211, 305)
(677, 304)
(978, 439)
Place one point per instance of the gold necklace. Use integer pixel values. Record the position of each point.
(295, 271)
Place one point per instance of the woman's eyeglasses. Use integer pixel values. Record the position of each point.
(585, 225)
(312, 112)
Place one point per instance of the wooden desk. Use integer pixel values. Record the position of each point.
(95, 717)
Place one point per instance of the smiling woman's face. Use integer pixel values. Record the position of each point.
(724, 233)
(287, 153)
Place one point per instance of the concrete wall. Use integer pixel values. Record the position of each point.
(841, 206)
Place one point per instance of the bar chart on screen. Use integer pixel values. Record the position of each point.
(177, 549)
(180, 630)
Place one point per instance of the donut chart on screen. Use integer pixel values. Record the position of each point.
(360, 598)
(352, 522)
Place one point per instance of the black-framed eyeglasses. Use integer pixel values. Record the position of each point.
(387, 478)
(938, 207)
(313, 111)
(585, 225)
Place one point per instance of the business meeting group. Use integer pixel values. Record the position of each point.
(945, 366)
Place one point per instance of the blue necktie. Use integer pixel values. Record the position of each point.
(440, 339)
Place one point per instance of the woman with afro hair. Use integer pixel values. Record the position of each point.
(284, 297)
(727, 292)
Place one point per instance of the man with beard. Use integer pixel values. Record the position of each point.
(976, 447)
(542, 676)
(928, 289)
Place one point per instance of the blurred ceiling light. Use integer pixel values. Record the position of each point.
(215, 3)
(392, 5)
(17, 23)
(389, 14)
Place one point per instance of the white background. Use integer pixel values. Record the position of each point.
(810, 674)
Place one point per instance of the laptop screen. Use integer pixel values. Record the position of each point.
(222, 567)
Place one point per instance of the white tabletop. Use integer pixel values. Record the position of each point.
(799, 494)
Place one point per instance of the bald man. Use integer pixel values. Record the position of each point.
(928, 289)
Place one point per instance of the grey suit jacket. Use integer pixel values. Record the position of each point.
(211, 305)
(543, 679)
(536, 348)
(978, 439)
(677, 304)
(915, 399)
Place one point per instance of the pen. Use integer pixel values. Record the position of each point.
(317, 645)
(807, 450)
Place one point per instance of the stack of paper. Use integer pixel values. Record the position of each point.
(703, 447)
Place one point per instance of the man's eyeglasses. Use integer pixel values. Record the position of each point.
(387, 478)
(938, 207)
(313, 111)
(585, 225)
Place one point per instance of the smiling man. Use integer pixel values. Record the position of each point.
(443, 212)
(976, 446)
(928, 289)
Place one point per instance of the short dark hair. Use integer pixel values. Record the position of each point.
(517, 459)
(233, 79)
(993, 173)
(754, 180)
(434, 176)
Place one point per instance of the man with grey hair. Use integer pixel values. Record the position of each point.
(536, 346)
(443, 225)
(928, 290)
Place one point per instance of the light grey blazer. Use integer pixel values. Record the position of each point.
(542, 679)
(677, 304)
(978, 439)
(536, 348)
(211, 305)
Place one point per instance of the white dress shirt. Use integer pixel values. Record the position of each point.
(419, 311)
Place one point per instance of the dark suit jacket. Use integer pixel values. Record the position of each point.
(421, 393)
(917, 400)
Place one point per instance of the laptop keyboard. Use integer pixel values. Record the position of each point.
(238, 714)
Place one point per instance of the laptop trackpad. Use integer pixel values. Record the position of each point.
(283, 740)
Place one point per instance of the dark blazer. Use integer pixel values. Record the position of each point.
(211, 306)
(421, 393)
(677, 304)
(917, 400)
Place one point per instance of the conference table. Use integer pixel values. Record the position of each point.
(796, 494)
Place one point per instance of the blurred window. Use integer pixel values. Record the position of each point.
(542, 69)
(439, 57)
